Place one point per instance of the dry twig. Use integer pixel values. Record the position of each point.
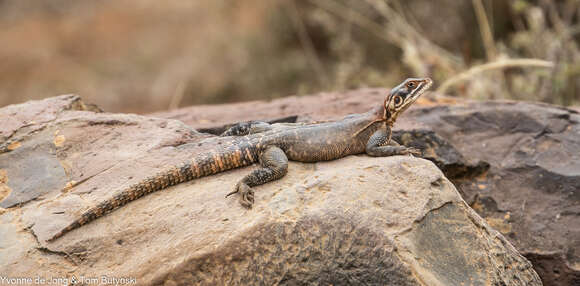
(306, 42)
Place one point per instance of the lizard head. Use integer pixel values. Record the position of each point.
(403, 96)
(399, 99)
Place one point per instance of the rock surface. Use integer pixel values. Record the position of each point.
(531, 192)
(358, 220)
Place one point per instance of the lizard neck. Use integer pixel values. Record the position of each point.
(375, 118)
(382, 113)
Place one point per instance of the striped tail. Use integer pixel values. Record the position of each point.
(203, 165)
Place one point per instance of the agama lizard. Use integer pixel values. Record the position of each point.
(274, 144)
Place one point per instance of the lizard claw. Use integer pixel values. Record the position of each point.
(233, 192)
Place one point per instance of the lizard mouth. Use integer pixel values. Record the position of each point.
(424, 86)
(427, 83)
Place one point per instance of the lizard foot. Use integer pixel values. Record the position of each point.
(246, 194)
(411, 151)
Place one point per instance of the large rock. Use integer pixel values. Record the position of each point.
(358, 220)
(531, 192)
(67, 146)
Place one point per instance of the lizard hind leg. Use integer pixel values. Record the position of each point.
(273, 166)
(247, 128)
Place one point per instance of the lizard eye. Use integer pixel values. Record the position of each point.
(397, 100)
(411, 85)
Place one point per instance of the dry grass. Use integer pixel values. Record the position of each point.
(501, 64)
(141, 56)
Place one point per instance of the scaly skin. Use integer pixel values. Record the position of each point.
(272, 145)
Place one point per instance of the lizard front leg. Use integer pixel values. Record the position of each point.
(274, 165)
(380, 145)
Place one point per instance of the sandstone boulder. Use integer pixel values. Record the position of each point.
(358, 220)
(531, 192)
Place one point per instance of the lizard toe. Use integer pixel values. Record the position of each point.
(236, 190)
(413, 151)
(247, 196)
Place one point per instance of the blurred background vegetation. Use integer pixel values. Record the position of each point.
(147, 55)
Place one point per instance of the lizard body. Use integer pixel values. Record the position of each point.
(273, 145)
